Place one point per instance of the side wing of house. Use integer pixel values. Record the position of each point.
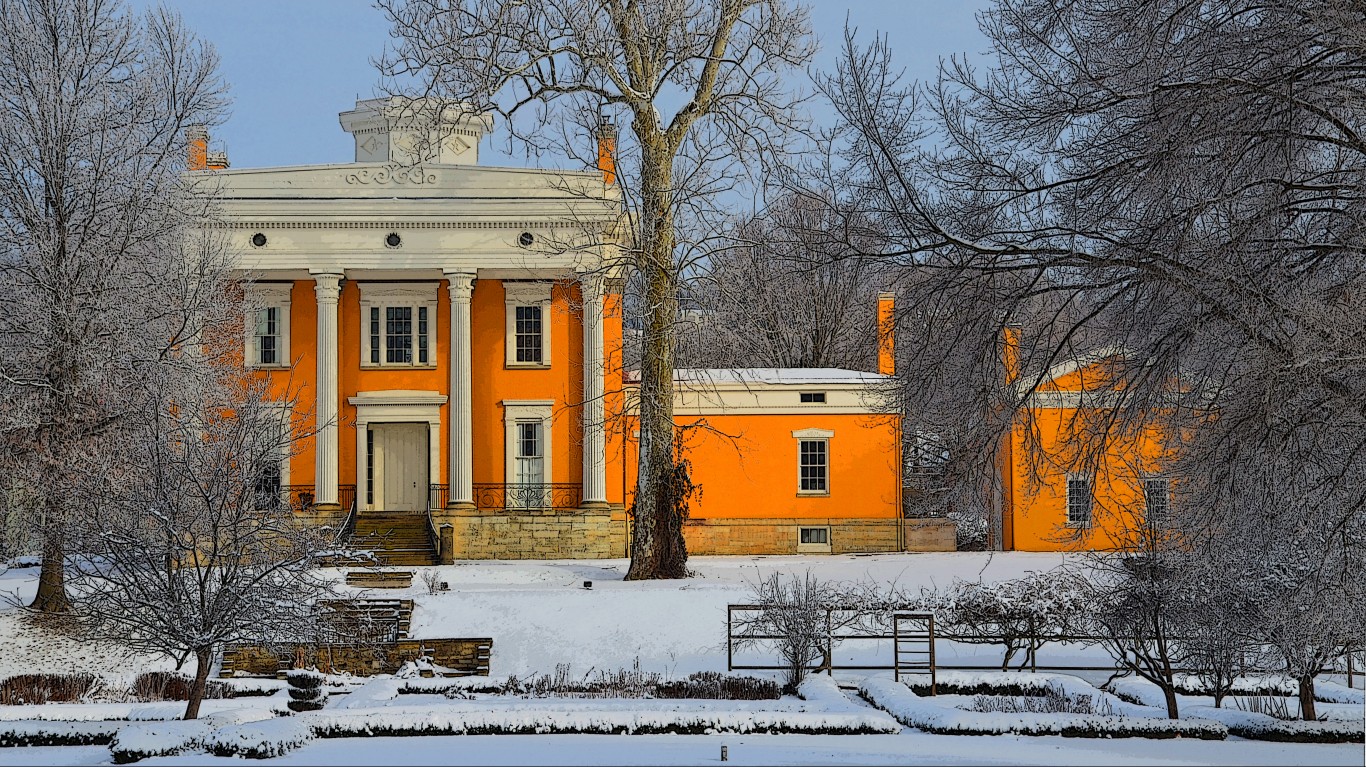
(1078, 477)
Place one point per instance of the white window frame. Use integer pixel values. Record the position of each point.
(521, 411)
(814, 435)
(261, 296)
(1090, 501)
(517, 294)
(382, 295)
(813, 548)
(1167, 487)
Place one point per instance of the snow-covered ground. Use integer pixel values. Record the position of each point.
(540, 615)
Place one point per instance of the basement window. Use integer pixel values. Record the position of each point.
(813, 396)
(813, 540)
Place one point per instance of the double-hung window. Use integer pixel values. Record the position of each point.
(1079, 501)
(528, 324)
(1157, 498)
(267, 337)
(813, 461)
(527, 426)
(398, 324)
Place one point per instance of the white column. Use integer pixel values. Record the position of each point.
(327, 288)
(594, 442)
(462, 431)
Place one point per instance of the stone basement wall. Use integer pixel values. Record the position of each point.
(537, 533)
(847, 536)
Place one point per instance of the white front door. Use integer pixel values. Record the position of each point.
(399, 466)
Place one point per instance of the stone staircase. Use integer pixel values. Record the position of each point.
(397, 538)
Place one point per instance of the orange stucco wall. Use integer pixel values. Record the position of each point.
(746, 467)
(491, 382)
(1046, 443)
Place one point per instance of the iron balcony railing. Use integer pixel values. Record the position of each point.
(300, 497)
(527, 496)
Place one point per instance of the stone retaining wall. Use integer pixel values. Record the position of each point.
(536, 533)
(847, 536)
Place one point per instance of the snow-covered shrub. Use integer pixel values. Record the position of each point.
(135, 742)
(540, 719)
(43, 733)
(37, 689)
(306, 690)
(1255, 726)
(260, 740)
(923, 713)
(1020, 615)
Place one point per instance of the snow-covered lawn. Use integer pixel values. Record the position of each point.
(540, 615)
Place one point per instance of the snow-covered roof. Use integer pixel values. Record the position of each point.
(790, 376)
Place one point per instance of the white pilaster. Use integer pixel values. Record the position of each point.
(461, 452)
(594, 442)
(327, 289)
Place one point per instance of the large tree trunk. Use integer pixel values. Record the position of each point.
(657, 548)
(51, 596)
(1307, 710)
(203, 660)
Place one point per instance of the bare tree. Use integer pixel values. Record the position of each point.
(698, 81)
(189, 546)
(786, 292)
(1179, 181)
(94, 103)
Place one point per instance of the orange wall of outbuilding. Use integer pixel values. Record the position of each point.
(746, 466)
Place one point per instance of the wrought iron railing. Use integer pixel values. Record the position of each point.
(438, 496)
(301, 497)
(527, 496)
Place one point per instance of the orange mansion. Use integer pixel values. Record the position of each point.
(454, 334)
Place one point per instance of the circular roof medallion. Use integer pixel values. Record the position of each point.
(258, 240)
(526, 239)
(393, 240)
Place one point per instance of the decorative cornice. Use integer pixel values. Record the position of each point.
(518, 225)
(392, 174)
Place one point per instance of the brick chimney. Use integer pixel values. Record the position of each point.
(886, 334)
(607, 151)
(199, 157)
(198, 137)
(1010, 353)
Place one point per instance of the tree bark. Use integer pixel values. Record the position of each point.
(203, 660)
(1169, 693)
(51, 596)
(1307, 710)
(657, 547)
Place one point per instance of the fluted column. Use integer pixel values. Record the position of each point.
(327, 288)
(461, 452)
(594, 426)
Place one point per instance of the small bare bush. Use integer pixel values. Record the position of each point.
(431, 578)
(168, 685)
(1052, 700)
(36, 689)
(1271, 705)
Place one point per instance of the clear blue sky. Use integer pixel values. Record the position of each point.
(294, 64)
